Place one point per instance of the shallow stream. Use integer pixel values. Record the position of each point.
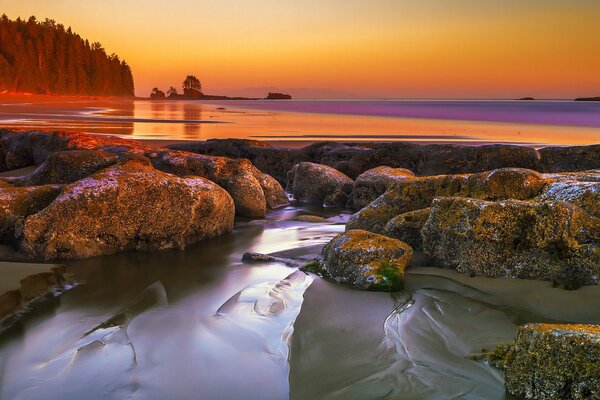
(201, 324)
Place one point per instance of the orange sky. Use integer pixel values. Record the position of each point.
(372, 48)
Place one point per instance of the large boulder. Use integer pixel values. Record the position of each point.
(373, 183)
(67, 167)
(407, 227)
(129, 206)
(554, 361)
(418, 193)
(366, 260)
(253, 192)
(554, 240)
(319, 184)
(17, 203)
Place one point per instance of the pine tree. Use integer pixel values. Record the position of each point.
(45, 58)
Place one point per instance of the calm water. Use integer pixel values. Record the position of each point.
(432, 121)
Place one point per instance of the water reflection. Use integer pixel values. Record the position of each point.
(299, 122)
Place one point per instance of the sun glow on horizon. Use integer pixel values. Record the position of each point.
(380, 48)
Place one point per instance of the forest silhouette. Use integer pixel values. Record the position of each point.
(45, 58)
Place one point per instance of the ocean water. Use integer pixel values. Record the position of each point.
(298, 122)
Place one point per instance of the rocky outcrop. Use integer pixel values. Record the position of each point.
(253, 192)
(553, 361)
(407, 227)
(319, 184)
(17, 203)
(365, 260)
(130, 206)
(373, 183)
(67, 167)
(581, 190)
(553, 240)
(418, 193)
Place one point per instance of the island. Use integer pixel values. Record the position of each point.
(192, 90)
(588, 98)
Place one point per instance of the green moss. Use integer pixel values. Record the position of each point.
(312, 266)
(389, 277)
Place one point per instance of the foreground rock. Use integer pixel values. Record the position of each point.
(373, 183)
(253, 192)
(17, 203)
(554, 241)
(365, 260)
(130, 206)
(418, 193)
(554, 361)
(319, 184)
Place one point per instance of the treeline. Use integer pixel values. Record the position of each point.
(45, 58)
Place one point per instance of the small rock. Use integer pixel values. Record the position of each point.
(407, 227)
(373, 183)
(366, 260)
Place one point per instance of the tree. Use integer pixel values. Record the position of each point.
(172, 92)
(157, 94)
(192, 83)
(44, 57)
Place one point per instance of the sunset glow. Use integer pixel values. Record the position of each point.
(380, 48)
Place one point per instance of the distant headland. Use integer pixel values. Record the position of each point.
(588, 98)
(192, 90)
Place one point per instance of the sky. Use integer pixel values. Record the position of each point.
(354, 48)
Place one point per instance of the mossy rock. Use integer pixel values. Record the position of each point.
(366, 260)
(407, 227)
(418, 193)
(554, 241)
(554, 361)
(373, 183)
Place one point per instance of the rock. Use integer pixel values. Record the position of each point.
(274, 161)
(373, 183)
(315, 219)
(22, 149)
(554, 241)
(418, 193)
(252, 191)
(366, 260)
(583, 194)
(319, 184)
(407, 227)
(574, 158)
(554, 361)
(67, 167)
(125, 207)
(16, 203)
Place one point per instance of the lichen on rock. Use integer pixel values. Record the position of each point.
(554, 241)
(554, 361)
(366, 260)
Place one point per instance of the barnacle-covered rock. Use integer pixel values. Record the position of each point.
(407, 227)
(373, 183)
(67, 167)
(16, 203)
(366, 260)
(418, 193)
(554, 241)
(319, 184)
(253, 192)
(554, 361)
(129, 206)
